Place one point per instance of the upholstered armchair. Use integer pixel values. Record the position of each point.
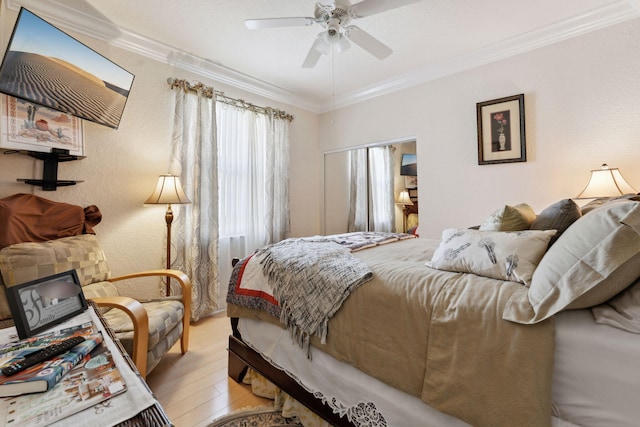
(147, 329)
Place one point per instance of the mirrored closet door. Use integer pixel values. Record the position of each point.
(363, 189)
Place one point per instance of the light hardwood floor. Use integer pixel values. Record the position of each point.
(194, 388)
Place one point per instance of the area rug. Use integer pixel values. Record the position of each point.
(255, 417)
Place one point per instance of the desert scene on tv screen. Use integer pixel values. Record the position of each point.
(62, 86)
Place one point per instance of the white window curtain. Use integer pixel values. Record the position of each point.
(371, 203)
(253, 162)
(359, 189)
(253, 170)
(381, 177)
(234, 166)
(195, 228)
(278, 224)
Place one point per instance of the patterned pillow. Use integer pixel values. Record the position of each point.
(506, 256)
(510, 218)
(23, 262)
(559, 216)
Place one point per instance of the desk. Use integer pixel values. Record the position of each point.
(153, 415)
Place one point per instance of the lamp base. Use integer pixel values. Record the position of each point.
(168, 217)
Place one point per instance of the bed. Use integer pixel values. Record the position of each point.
(528, 320)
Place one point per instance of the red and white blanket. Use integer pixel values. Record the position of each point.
(248, 287)
(303, 282)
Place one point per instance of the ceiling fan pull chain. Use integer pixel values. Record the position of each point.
(333, 86)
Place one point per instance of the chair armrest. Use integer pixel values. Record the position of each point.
(185, 284)
(183, 279)
(140, 319)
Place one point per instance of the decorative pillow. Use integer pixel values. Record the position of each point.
(594, 259)
(23, 262)
(510, 218)
(505, 256)
(559, 216)
(622, 311)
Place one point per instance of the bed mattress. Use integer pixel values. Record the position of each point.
(595, 381)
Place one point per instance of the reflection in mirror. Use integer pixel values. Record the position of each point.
(336, 192)
(372, 204)
(371, 183)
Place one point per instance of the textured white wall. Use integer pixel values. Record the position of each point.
(581, 110)
(581, 106)
(122, 166)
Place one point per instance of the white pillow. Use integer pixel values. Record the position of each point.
(500, 255)
(594, 259)
(622, 311)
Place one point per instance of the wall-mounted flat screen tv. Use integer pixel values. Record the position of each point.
(48, 67)
(409, 165)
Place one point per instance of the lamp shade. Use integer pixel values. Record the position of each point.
(168, 191)
(404, 199)
(605, 182)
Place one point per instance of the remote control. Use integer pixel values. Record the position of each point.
(42, 355)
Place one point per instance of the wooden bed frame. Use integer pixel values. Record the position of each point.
(241, 357)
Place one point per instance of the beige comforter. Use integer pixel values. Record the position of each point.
(440, 336)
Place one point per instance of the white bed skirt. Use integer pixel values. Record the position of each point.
(350, 392)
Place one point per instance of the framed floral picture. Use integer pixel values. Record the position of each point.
(501, 135)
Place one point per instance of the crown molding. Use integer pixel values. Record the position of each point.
(635, 3)
(75, 19)
(611, 14)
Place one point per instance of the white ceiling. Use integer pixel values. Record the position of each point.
(430, 39)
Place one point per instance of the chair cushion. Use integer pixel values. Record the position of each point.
(100, 289)
(164, 316)
(155, 354)
(24, 262)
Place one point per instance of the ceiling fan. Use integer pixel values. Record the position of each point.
(335, 17)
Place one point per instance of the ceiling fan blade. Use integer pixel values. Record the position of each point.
(255, 24)
(372, 7)
(314, 54)
(326, 5)
(369, 43)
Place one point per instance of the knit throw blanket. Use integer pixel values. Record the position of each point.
(311, 279)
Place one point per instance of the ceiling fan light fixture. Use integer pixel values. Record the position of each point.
(335, 16)
(323, 45)
(333, 27)
(330, 39)
(338, 40)
(342, 44)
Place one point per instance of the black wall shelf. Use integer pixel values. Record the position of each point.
(50, 181)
